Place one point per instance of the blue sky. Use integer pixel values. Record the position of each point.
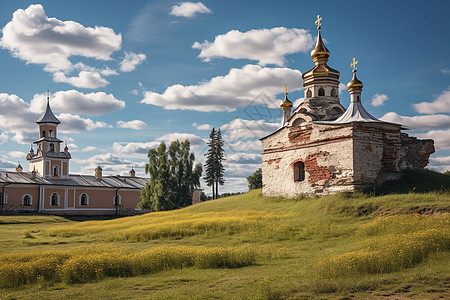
(126, 75)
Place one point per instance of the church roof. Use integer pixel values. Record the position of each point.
(48, 116)
(126, 182)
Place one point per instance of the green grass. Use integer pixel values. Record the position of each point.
(241, 247)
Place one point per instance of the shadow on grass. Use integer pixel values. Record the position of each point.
(419, 181)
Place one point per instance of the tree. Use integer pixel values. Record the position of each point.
(214, 169)
(173, 177)
(255, 181)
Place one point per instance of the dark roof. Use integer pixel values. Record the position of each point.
(48, 116)
(117, 181)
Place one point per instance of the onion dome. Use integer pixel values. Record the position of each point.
(48, 116)
(320, 50)
(286, 102)
(355, 83)
(19, 168)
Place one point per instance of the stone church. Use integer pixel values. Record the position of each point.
(323, 148)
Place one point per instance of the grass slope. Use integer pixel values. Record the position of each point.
(241, 247)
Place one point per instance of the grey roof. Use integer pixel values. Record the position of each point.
(356, 113)
(115, 182)
(48, 116)
(48, 139)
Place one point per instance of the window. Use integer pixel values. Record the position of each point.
(50, 133)
(26, 200)
(333, 93)
(43, 133)
(308, 94)
(321, 92)
(55, 171)
(299, 171)
(52, 147)
(118, 199)
(84, 199)
(54, 199)
(357, 98)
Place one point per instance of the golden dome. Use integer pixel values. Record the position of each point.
(320, 50)
(286, 102)
(355, 83)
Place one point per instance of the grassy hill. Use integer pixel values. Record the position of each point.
(241, 247)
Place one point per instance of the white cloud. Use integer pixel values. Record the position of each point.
(74, 123)
(193, 139)
(267, 46)
(202, 126)
(17, 154)
(135, 124)
(134, 148)
(440, 105)
(245, 145)
(342, 87)
(441, 163)
(378, 99)
(131, 61)
(85, 79)
(78, 103)
(3, 138)
(189, 9)
(110, 163)
(91, 148)
(445, 71)
(441, 138)
(239, 88)
(4, 164)
(245, 129)
(419, 122)
(35, 38)
(243, 158)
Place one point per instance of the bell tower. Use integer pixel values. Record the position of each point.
(49, 161)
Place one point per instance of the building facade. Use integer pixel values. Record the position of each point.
(323, 148)
(49, 187)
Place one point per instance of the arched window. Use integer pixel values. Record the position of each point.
(357, 98)
(308, 94)
(84, 199)
(299, 171)
(333, 93)
(43, 133)
(55, 171)
(26, 200)
(118, 200)
(50, 133)
(52, 147)
(54, 199)
(321, 92)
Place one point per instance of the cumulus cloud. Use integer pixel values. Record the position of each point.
(378, 99)
(244, 158)
(91, 148)
(189, 9)
(17, 154)
(74, 123)
(445, 71)
(4, 164)
(35, 38)
(194, 139)
(202, 126)
(131, 61)
(110, 163)
(440, 105)
(78, 103)
(3, 138)
(441, 138)
(134, 148)
(239, 88)
(85, 79)
(441, 163)
(245, 129)
(267, 46)
(135, 124)
(419, 122)
(246, 145)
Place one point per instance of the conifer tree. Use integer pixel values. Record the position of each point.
(214, 169)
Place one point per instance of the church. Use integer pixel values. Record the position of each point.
(322, 148)
(49, 187)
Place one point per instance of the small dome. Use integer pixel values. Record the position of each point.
(355, 83)
(286, 102)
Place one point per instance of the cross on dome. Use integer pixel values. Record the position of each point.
(285, 89)
(318, 22)
(353, 64)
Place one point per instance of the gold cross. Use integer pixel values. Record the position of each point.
(353, 64)
(285, 89)
(318, 22)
